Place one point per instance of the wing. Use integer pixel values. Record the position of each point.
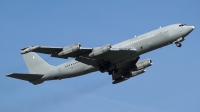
(85, 55)
(124, 68)
(41, 49)
(54, 51)
(131, 69)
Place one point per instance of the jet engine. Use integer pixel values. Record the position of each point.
(137, 70)
(134, 73)
(100, 51)
(143, 64)
(129, 75)
(69, 49)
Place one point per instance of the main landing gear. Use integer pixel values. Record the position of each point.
(107, 67)
(112, 71)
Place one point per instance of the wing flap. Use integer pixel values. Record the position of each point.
(83, 52)
(87, 61)
(115, 55)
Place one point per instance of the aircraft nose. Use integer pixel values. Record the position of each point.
(187, 30)
(191, 28)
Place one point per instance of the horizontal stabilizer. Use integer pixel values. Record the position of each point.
(27, 77)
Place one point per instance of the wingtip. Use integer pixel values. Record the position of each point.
(10, 75)
(28, 49)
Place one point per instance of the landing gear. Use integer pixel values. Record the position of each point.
(101, 69)
(105, 66)
(115, 71)
(178, 44)
(112, 71)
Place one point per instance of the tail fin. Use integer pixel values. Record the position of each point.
(35, 64)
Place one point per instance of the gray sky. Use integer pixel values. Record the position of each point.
(170, 85)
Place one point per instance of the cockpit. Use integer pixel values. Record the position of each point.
(182, 25)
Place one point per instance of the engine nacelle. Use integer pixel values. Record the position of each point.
(69, 49)
(139, 69)
(143, 64)
(129, 75)
(100, 51)
(134, 73)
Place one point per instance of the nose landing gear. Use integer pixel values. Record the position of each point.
(178, 44)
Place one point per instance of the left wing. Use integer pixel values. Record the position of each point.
(131, 69)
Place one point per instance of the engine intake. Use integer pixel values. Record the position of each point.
(70, 49)
(100, 51)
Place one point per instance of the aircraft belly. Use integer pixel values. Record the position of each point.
(126, 61)
(77, 70)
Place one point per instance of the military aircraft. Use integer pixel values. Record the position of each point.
(119, 60)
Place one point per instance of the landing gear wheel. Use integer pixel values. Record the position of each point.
(101, 69)
(178, 44)
(110, 72)
(115, 71)
(107, 65)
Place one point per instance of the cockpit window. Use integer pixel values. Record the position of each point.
(182, 25)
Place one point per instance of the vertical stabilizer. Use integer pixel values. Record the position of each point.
(35, 64)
